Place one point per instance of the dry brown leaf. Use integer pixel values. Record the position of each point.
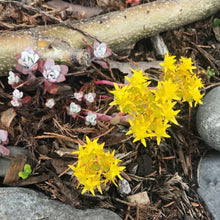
(7, 117)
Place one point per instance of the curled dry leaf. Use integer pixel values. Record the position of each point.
(7, 117)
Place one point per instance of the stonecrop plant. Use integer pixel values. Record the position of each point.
(152, 109)
(95, 166)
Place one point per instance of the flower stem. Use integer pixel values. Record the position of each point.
(100, 116)
(106, 82)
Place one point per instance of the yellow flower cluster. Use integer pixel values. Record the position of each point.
(152, 109)
(182, 75)
(95, 167)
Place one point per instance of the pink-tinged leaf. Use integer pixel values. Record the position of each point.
(49, 63)
(115, 120)
(132, 2)
(61, 78)
(17, 56)
(25, 99)
(108, 52)
(52, 89)
(47, 84)
(34, 67)
(30, 77)
(17, 85)
(4, 151)
(22, 69)
(41, 64)
(64, 69)
(96, 44)
(101, 63)
(3, 136)
(103, 117)
(90, 49)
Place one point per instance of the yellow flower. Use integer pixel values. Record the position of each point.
(168, 112)
(166, 90)
(95, 167)
(160, 130)
(152, 109)
(169, 63)
(137, 79)
(140, 128)
(189, 84)
(121, 97)
(186, 64)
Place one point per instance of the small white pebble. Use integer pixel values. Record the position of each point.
(124, 187)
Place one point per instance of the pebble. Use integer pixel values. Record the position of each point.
(124, 187)
(21, 203)
(209, 182)
(208, 126)
(208, 118)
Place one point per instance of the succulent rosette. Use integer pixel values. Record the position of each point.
(27, 61)
(53, 74)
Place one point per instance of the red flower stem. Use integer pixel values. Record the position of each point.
(106, 82)
(83, 87)
(100, 116)
(104, 117)
(80, 116)
(105, 96)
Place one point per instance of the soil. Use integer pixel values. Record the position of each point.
(168, 172)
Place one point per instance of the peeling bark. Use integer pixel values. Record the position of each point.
(116, 29)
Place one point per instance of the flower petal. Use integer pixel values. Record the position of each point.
(49, 63)
(3, 136)
(64, 69)
(61, 78)
(4, 151)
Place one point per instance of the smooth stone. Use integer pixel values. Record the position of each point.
(208, 118)
(209, 182)
(21, 203)
(4, 162)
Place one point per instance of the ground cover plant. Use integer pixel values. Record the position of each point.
(92, 130)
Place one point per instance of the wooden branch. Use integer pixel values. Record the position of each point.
(116, 29)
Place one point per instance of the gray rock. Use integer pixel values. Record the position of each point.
(209, 182)
(4, 164)
(25, 204)
(208, 118)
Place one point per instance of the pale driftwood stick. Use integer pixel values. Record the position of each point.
(117, 29)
